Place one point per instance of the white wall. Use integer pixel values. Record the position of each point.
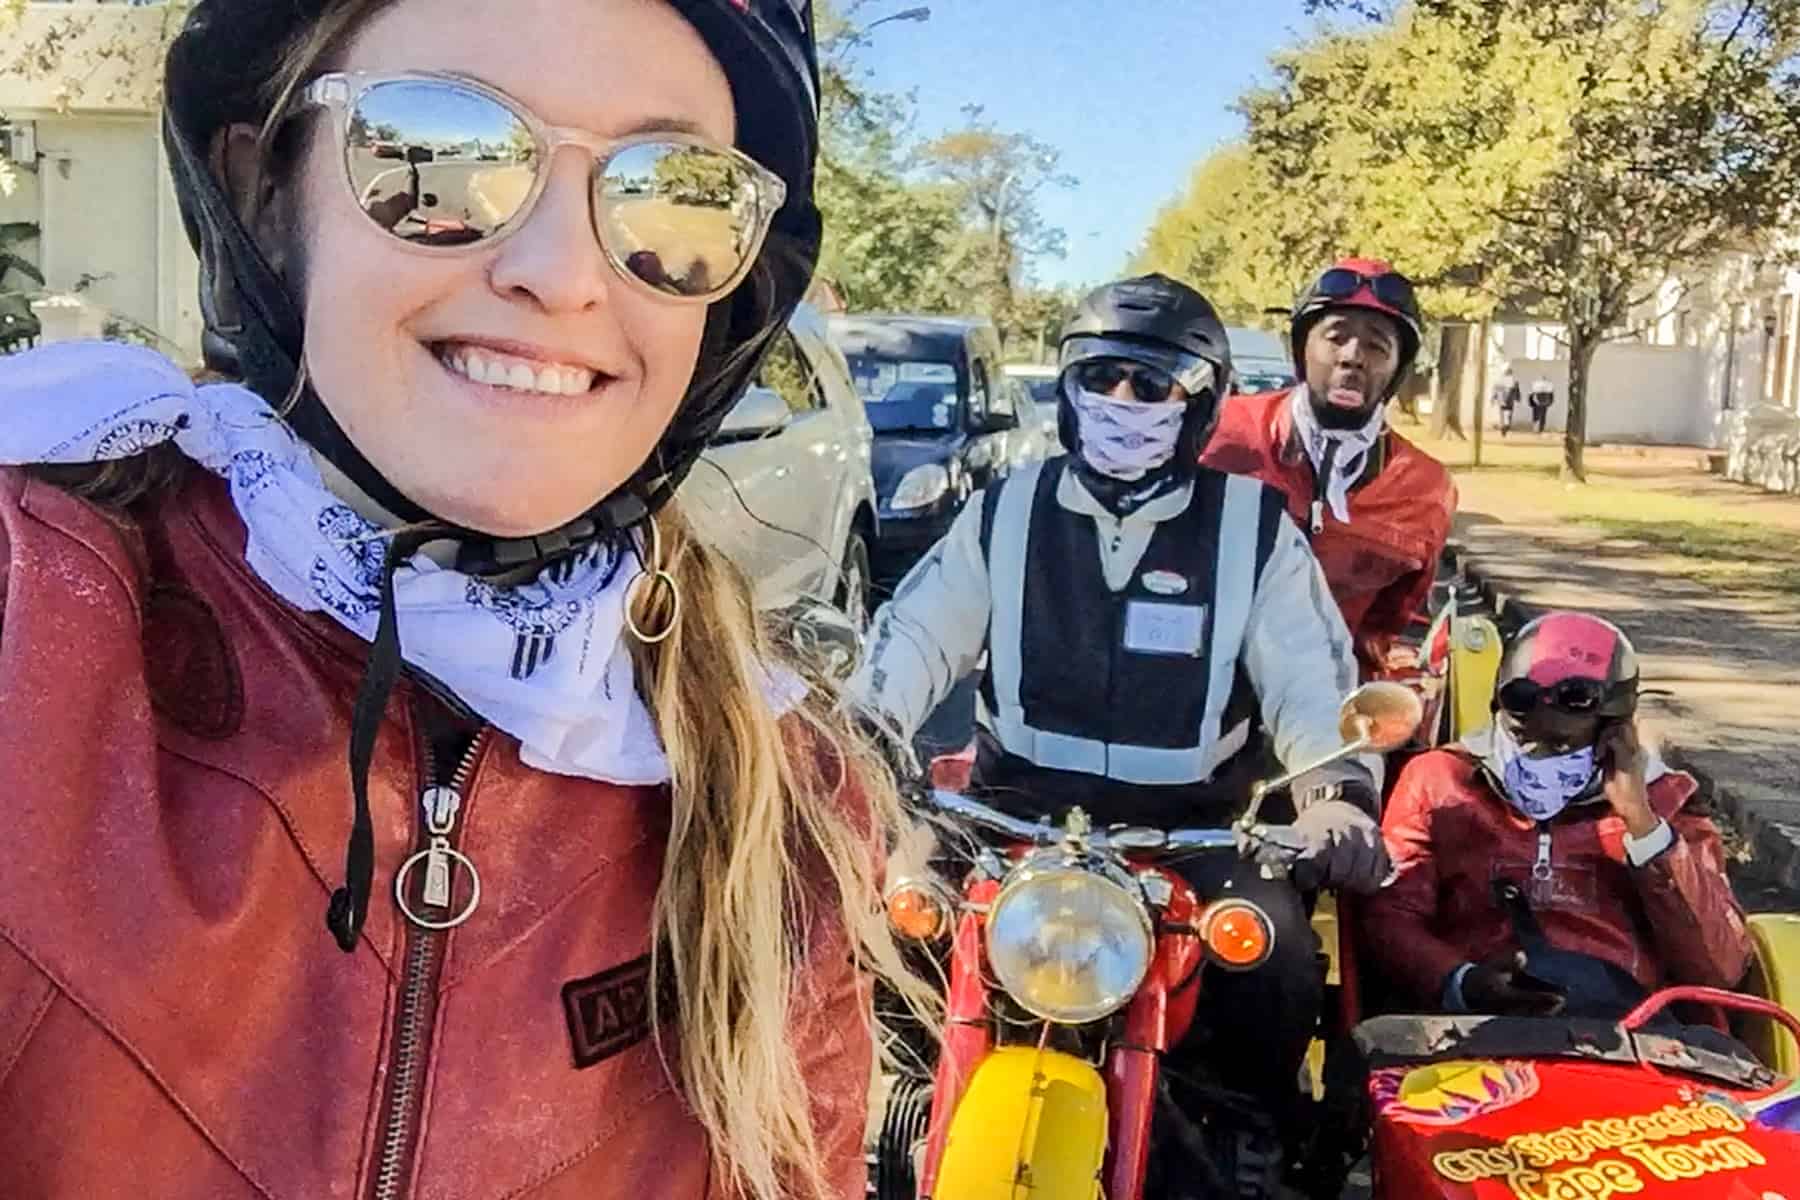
(101, 194)
(1636, 393)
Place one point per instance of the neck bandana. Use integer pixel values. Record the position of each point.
(1541, 788)
(1338, 455)
(1123, 438)
(545, 661)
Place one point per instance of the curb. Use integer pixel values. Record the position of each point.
(1775, 844)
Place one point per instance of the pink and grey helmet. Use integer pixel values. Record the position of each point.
(1570, 661)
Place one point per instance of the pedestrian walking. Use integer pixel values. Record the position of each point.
(1506, 399)
(1541, 397)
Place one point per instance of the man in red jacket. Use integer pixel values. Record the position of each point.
(1557, 827)
(1376, 507)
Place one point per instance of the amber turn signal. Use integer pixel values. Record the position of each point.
(1237, 934)
(918, 911)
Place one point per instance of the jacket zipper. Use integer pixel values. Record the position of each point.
(1541, 869)
(417, 1013)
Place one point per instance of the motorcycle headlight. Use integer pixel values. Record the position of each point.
(1070, 946)
(921, 486)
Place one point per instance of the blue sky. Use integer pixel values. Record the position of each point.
(1133, 92)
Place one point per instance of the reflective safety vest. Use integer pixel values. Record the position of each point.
(1141, 686)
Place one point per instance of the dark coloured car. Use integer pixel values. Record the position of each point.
(946, 424)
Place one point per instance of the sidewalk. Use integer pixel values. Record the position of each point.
(1702, 573)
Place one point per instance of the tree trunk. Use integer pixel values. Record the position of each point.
(1582, 345)
(1446, 413)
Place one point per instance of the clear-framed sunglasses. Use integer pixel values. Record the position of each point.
(444, 163)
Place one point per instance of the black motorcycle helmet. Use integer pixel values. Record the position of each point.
(217, 68)
(1161, 323)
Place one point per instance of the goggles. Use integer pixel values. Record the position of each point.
(1103, 376)
(1581, 697)
(444, 163)
(1390, 288)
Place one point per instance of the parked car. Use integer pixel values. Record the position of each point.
(1260, 360)
(1040, 381)
(945, 424)
(785, 487)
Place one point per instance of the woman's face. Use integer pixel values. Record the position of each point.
(390, 333)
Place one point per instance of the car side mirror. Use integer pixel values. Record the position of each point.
(1000, 422)
(758, 414)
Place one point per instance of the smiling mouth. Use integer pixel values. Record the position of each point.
(481, 364)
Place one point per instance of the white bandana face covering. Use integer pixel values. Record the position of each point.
(1352, 449)
(1123, 438)
(1541, 788)
(545, 661)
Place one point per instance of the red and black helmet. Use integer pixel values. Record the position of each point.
(1572, 662)
(1366, 283)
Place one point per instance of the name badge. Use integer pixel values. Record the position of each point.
(1173, 629)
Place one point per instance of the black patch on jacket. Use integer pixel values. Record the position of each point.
(608, 1012)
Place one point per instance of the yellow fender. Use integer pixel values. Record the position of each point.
(1474, 666)
(1775, 976)
(1030, 1126)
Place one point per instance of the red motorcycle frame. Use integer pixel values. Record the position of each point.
(1157, 1017)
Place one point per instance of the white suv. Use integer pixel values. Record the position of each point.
(785, 487)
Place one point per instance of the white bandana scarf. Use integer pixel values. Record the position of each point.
(1123, 438)
(1541, 788)
(1353, 446)
(545, 661)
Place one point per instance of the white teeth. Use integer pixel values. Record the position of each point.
(551, 379)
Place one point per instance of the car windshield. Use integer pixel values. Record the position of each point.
(1252, 380)
(906, 394)
(914, 408)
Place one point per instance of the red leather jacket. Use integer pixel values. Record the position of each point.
(1450, 834)
(175, 1020)
(1381, 565)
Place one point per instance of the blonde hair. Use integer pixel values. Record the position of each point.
(765, 850)
(777, 834)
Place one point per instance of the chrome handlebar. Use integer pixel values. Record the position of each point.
(1131, 839)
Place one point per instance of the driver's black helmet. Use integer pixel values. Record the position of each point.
(1164, 324)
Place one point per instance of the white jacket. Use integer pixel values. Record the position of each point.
(1295, 647)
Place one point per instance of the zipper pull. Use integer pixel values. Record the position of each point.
(1318, 516)
(1541, 868)
(441, 806)
(439, 858)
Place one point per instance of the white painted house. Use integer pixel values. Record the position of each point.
(1707, 346)
(88, 169)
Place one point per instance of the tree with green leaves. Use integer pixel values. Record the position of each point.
(1556, 158)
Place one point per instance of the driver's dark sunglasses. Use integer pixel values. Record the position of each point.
(1103, 375)
(1391, 288)
(443, 163)
(1581, 697)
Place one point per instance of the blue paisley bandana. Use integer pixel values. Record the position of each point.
(545, 661)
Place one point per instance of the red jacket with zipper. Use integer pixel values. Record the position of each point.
(1450, 834)
(175, 1020)
(1382, 563)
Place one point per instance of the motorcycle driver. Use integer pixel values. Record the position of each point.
(1141, 614)
(1377, 508)
(1605, 849)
